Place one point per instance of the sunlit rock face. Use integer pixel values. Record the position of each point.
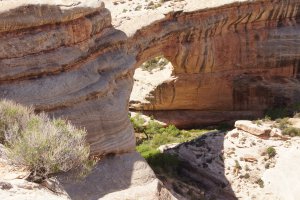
(65, 58)
(230, 62)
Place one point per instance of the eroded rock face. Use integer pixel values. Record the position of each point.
(68, 60)
(238, 58)
(62, 59)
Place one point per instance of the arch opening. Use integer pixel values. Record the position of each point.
(147, 77)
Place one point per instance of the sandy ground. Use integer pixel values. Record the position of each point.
(131, 15)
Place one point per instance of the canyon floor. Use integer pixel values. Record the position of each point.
(235, 164)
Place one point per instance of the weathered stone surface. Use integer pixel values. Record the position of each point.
(67, 65)
(229, 165)
(243, 58)
(67, 59)
(126, 176)
(252, 128)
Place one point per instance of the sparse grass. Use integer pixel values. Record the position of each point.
(43, 145)
(276, 113)
(247, 175)
(283, 123)
(257, 122)
(260, 182)
(291, 131)
(157, 62)
(158, 135)
(138, 123)
(266, 119)
(267, 165)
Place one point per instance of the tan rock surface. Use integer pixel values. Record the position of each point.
(236, 165)
(252, 128)
(126, 176)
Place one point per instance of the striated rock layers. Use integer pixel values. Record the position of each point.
(229, 62)
(65, 58)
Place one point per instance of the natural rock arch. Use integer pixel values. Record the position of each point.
(76, 65)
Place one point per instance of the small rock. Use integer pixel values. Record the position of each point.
(235, 135)
(27, 185)
(165, 147)
(251, 128)
(249, 158)
(5, 186)
(275, 132)
(53, 185)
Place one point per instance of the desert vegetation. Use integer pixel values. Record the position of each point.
(280, 118)
(282, 112)
(41, 144)
(158, 62)
(151, 135)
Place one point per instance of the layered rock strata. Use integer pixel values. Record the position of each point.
(65, 58)
(235, 62)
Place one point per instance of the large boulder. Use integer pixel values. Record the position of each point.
(252, 127)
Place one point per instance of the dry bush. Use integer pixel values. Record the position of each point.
(42, 144)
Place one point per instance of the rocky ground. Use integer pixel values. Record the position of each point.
(130, 15)
(239, 164)
(119, 177)
(13, 185)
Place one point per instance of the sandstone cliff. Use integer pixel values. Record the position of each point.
(233, 61)
(67, 59)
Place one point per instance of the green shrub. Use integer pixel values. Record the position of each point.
(283, 123)
(43, 145)
(157, 62)
(161, 139)
(276, 113)
(158, 135)
(163, 161)
(257, 122)
(260, 182)
(247, 175)
(146, 150)
(153, 127)
(172, 130)
(283, 112)
(266, 119)
(13, 119)
(138, 123)
(291, 131)
(271, 152)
